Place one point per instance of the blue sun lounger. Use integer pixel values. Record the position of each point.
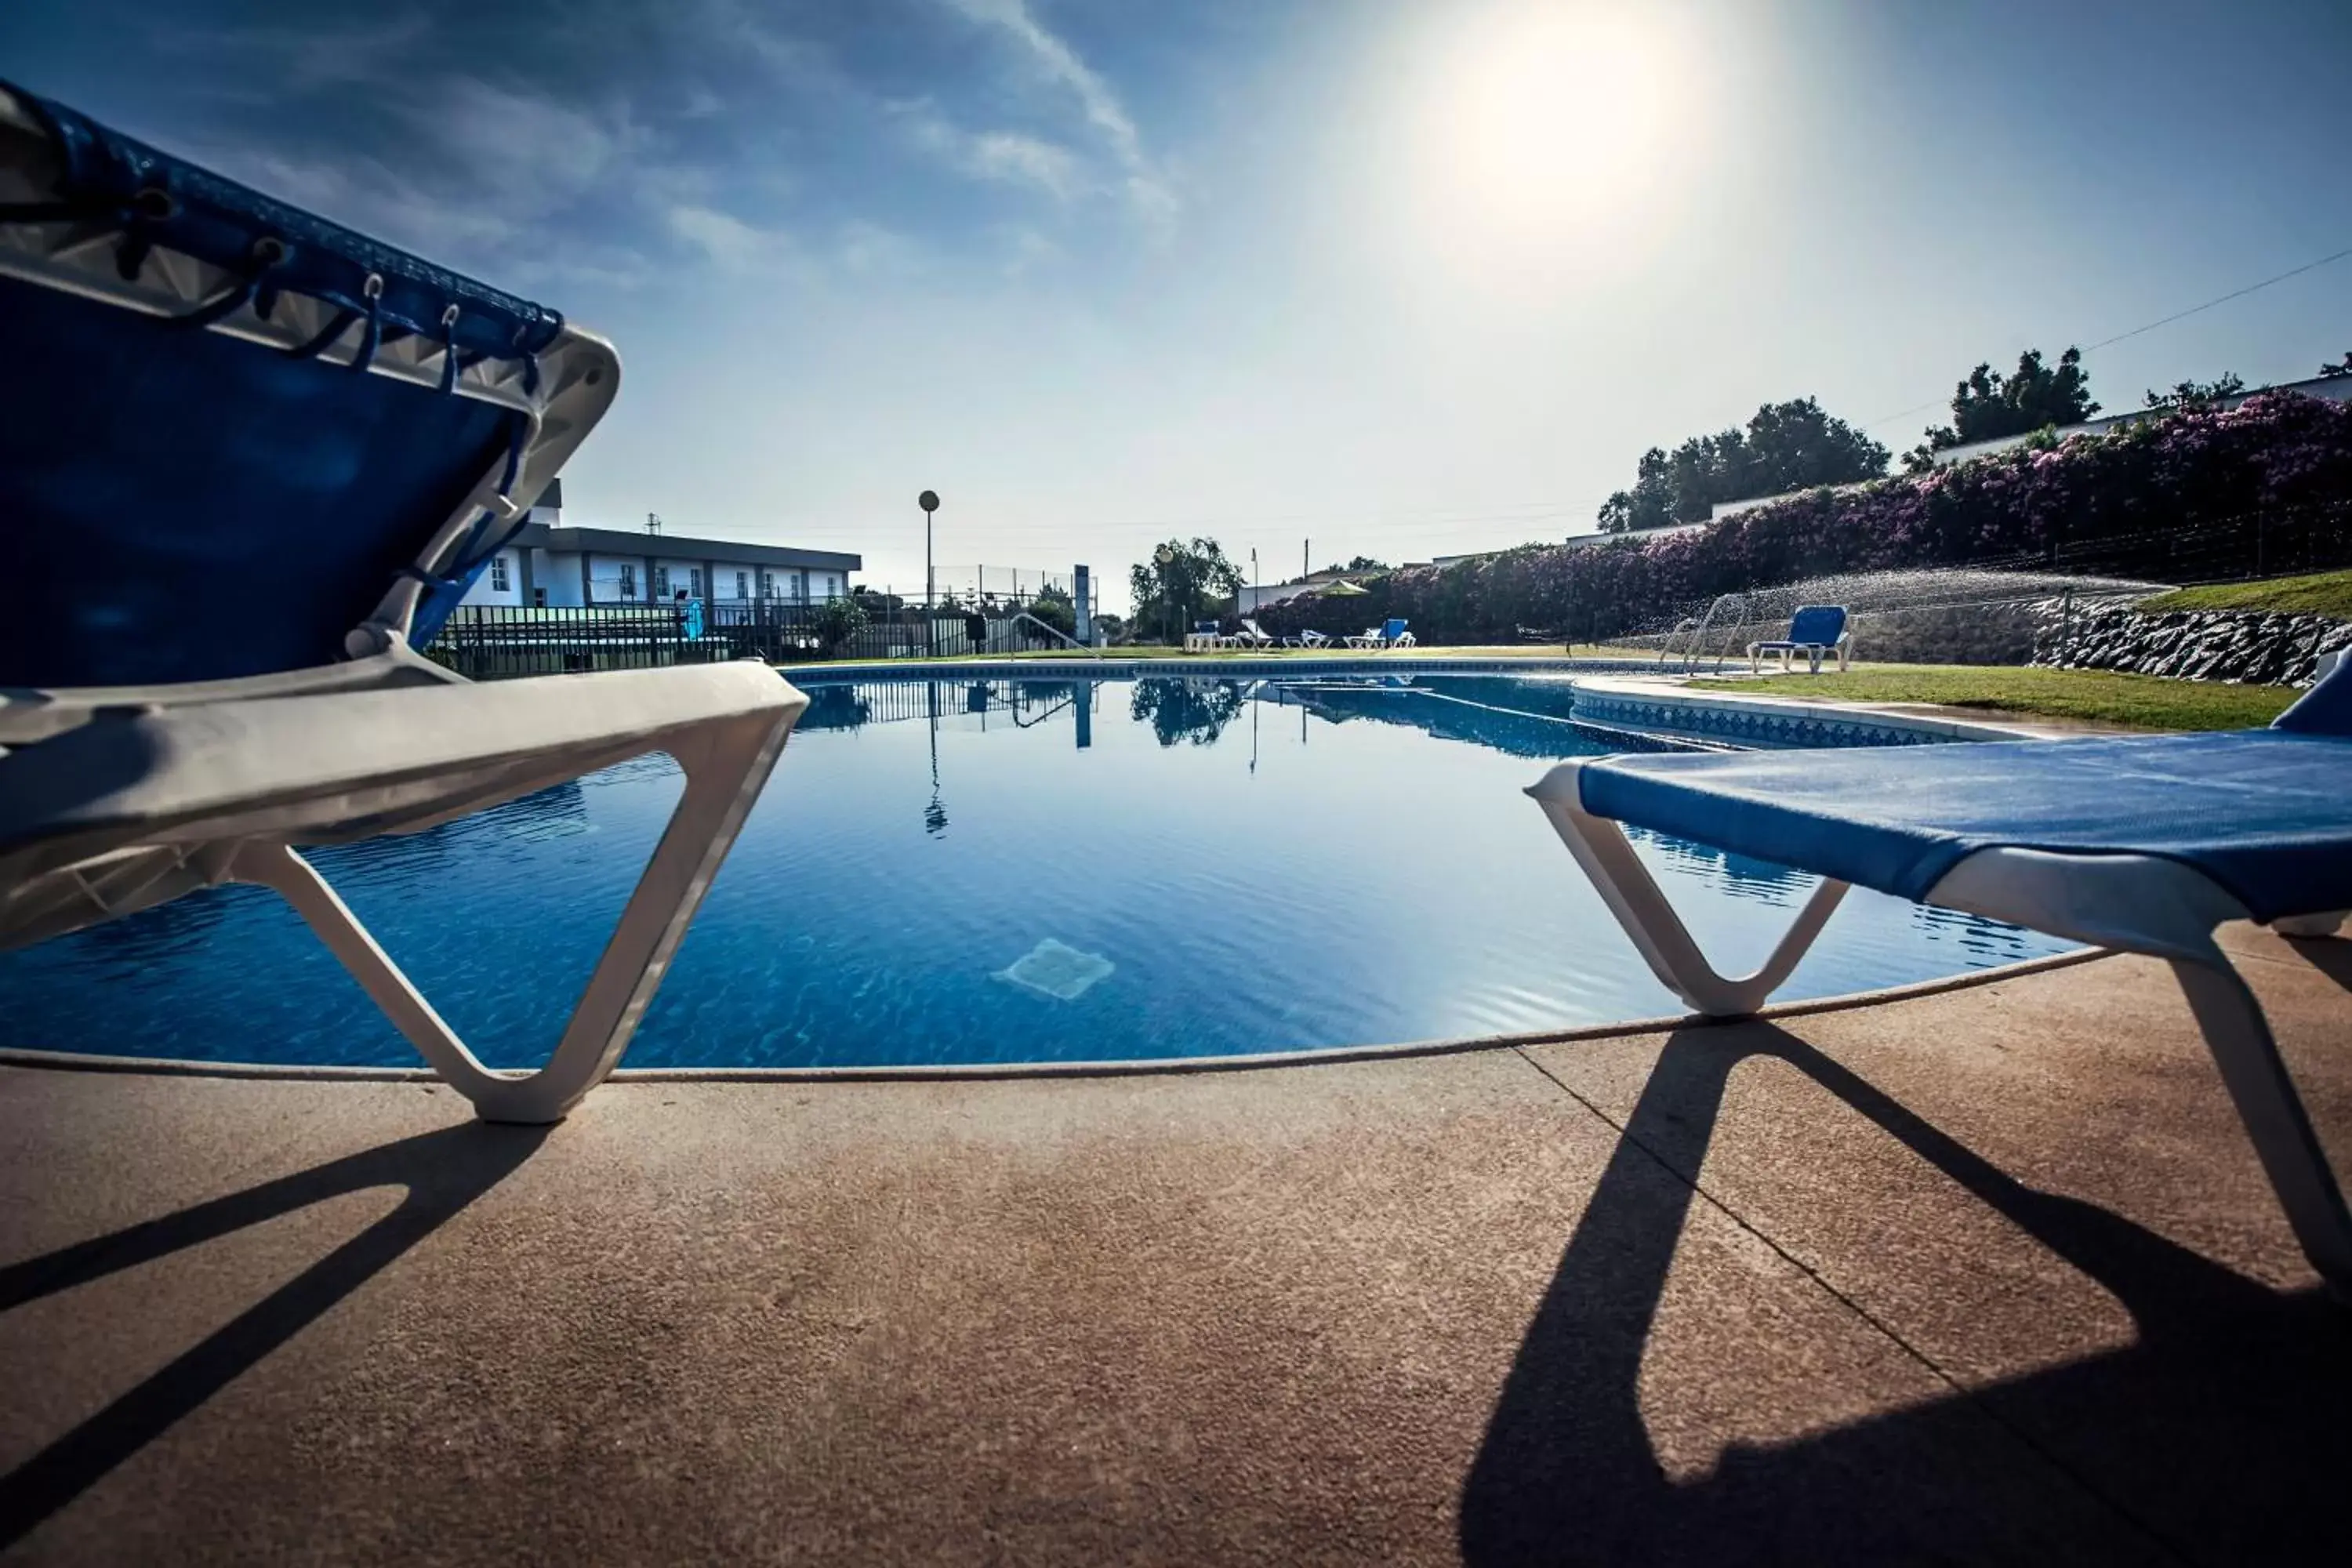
(1390, 634)
(248, 463)
(2142, 844)
(1814, 630)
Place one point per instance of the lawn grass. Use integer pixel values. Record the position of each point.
(2096, 696)
(2321, 593)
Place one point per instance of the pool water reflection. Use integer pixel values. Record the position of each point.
(1207, 867)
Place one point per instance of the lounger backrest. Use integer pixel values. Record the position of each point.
(1818, 623)
(2325, 709)
(1393, 630)
(179, 502)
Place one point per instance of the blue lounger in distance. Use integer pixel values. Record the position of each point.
(2142, 844)
(249, 460)
(1814, 630)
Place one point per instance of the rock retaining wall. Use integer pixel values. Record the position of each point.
(2252, 646)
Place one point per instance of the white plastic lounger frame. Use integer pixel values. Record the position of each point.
(115, 799)
(2132, 903)
(224, 792)
(1814, 652)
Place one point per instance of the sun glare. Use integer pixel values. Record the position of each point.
(1549, 121)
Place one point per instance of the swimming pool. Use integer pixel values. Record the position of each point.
(996, 872)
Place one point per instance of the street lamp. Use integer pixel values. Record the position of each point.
(929, 501)
(1166, 557)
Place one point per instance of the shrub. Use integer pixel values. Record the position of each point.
(2118, 503)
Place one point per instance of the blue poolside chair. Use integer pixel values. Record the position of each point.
(1813, 631)
(2144, 843)
(249, 462)
(1392, 635)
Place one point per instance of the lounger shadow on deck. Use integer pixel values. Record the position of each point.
(2212, 1438)
(440, 1174)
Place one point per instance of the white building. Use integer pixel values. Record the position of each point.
(552, 565)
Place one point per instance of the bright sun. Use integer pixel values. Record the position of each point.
(1549, 121)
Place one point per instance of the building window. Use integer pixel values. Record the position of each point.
(661, 581)
(694, 580)
(767, 585)
(742, 584)
(628, 580)
(498, 574)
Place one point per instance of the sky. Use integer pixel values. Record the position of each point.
(1401, 279)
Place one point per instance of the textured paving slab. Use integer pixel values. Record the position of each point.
(1983, 1276)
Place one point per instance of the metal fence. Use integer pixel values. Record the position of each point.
(489, 642)
(995, 584)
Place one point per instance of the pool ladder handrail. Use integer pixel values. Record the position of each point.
(1026, 615)
(1698, 630)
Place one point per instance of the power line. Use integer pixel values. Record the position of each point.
(2233, 294)
(2165, 321)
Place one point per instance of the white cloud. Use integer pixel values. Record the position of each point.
(1008, 155)
(527, 153)
(1059, 65)
(727, 240)
(867, 247)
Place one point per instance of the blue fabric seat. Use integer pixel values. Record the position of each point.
(2267, 814)
(1814, 630)
(2145, 844)
(183, 508)
(249, 460)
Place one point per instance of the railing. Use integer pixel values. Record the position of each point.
(490, 642)
(1731, 609)
(1050, 631)
(843, 705)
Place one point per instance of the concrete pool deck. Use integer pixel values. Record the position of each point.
(1988, 1275)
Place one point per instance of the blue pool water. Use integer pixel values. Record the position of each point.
(1044, 870)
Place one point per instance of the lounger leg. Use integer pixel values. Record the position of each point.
(1635, 896)
(2326, 924)
(2143, 904)
(2239, 1036)
(725, 770)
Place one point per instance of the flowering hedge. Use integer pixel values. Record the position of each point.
(2120, 502)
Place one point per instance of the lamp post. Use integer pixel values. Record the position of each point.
(929, 501)
(1166, 556)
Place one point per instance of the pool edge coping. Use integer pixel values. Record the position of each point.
(967, 1072)
(1610, 680)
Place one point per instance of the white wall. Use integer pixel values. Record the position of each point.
(608, 583)
(485, 590)
(681, 570)
(725, 587)
(557, 572)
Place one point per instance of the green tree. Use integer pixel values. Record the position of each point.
(1791, 446)
(839, 620)
(1179, 584)
(1057, 610)
(1989, 405)
(2330, 372)
(1366, 563)
(2198, 394)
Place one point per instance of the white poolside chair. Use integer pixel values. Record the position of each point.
(2144, 843)
(1391, 634)
(1251, 634)
(249, 460)
(1308, 639)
